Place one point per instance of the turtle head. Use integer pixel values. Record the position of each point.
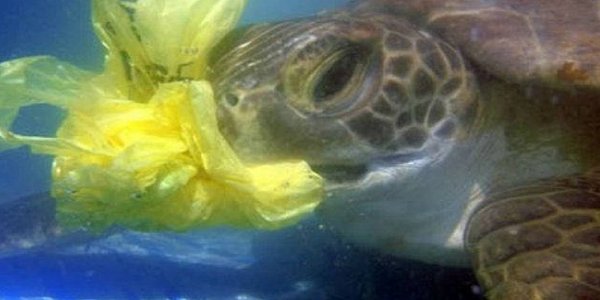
(343, 92)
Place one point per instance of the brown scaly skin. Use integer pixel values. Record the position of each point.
(540, 241)
(551, 42)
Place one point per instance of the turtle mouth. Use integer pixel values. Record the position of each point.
(349, 173)
(338, 174)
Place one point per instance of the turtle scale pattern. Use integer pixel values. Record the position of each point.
(422, 83)
(540, 241)
(550, 42)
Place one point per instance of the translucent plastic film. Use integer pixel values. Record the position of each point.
(140, 146)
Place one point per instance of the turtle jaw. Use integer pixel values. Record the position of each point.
(345, 176)
(341, 175)
(391, 169)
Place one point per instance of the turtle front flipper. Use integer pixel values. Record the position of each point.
(539, 241)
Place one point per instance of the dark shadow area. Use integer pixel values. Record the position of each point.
(307, 261)
(335, 274)
(342, 271)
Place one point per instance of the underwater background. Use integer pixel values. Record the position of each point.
(304, 262)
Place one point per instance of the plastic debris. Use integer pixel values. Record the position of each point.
(140, 146)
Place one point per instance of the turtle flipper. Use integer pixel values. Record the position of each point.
(539, 241)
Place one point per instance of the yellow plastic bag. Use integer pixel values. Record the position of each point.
(140, 146)
(154, 41)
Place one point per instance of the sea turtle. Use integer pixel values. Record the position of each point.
(451, 132)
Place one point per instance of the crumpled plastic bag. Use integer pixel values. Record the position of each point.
(140, 146)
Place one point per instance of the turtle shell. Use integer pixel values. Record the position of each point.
(551, 42)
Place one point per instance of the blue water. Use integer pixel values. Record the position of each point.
(304, 262)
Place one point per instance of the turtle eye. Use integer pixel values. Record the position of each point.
(335, 84)
(336, 78)
(325, 78)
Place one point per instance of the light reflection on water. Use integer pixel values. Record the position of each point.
(273, 10)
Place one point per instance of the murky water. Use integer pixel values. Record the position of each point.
(307, 261)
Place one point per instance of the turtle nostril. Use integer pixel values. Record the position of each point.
(231, 99)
